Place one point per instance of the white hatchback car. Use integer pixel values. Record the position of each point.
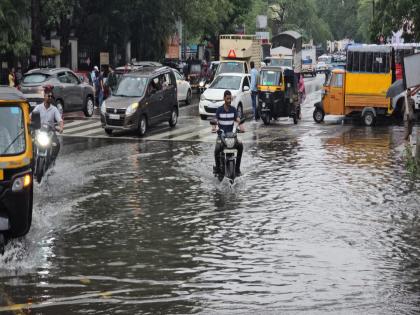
(183, 87)
(237, 83)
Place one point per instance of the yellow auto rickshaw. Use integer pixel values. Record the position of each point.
(16, 159)
(278, 94)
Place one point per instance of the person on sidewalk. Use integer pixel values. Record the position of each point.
(254, 90)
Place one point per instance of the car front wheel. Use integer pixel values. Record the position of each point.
(89, 107)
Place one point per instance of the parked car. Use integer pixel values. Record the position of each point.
(212, 98)
(183, 87)
(70, 94)
(142, 98)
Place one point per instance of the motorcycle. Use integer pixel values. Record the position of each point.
(44, 146)
(202, 84)
(228, 154)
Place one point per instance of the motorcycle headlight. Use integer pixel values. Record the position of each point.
(230, 142)
(21, 182)
(263, 104)
(131, 109)
(103, 108)
(201, 84)
(43, 139)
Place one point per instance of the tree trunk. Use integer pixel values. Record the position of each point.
(36, 47)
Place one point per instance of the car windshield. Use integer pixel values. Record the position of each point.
(35, 78)
(281, 62)
(226, 82)
(131, 87)
(269, 78)
(12, 131)
(231, 67)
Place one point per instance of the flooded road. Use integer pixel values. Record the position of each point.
(324, 220)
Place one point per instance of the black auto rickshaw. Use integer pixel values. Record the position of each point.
(278, 94)
(16, 160)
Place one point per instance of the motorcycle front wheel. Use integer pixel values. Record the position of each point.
(39, 169)
(230, 169)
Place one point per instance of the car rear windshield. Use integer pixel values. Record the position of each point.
(131, 87)
(225, 82)
(231, 67)
(35, 78)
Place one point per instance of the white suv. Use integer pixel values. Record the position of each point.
(239, 84)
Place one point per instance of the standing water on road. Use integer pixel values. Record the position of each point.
(325, 222)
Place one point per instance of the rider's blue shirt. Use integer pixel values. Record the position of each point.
(226, 118)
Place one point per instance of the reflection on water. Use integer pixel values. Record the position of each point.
(319, 224)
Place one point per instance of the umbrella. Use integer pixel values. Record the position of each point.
(395, 89)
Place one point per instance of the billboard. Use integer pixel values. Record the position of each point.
(412, 71)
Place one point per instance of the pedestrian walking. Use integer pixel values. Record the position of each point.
(18, 76)
(12, 77)
(254, 90)
(99, 87)
(409, 116)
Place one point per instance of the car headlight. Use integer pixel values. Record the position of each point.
(103, 108)
(202, 97)
(43, 139)
(21, 182)
(131, 109)
(230, 142)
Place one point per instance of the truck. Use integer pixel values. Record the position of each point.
(237, 52)
(289, 44)
(309, 60)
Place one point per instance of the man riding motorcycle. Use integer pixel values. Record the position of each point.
(226, 117)
(50, 115)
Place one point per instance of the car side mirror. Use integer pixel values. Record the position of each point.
(246, 88)
(35, 121)
(81, 79)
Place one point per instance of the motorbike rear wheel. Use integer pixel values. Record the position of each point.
(39, 169)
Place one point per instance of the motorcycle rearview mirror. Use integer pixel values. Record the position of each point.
(35, 121)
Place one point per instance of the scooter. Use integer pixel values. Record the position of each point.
(44, 147)
(228, 154)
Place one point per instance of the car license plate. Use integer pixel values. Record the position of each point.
(1, 174)
(114, 116)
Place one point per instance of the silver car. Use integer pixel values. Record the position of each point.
(70, 93)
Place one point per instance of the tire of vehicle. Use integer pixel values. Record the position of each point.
(203, 117)
(60, 106)
(39, 169)
(108, 131)
(240, 111)
(318, 115)
(189, 97)
(295, 119)
(89, 107)
(174, 117)
(142, 125)
(266, 118)
(369, 118)
(2, 244)
(230, 170)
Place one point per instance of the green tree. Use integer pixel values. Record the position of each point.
(15, 36)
